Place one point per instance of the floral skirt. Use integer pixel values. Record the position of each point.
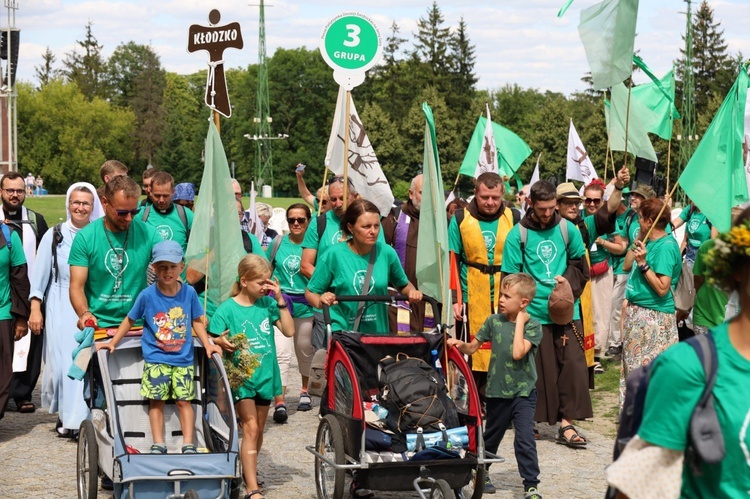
(646, 334)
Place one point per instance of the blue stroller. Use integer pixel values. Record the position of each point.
(116, 440)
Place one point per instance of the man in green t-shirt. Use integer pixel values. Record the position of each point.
(109, 258)
(171, 221)
(548, 253)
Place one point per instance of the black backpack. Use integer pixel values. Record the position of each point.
(414, 395)
(705, 440)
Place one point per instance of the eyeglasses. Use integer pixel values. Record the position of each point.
(592, 200)
(125, 213)
(292, 220)
(324, 202)
(81, 204)
(20, 192)
(238, 194)
(334, 179)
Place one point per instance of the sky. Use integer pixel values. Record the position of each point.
(517, 41)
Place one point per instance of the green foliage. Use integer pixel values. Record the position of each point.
(87, 69)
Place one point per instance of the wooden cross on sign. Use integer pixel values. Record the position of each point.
(215, 39)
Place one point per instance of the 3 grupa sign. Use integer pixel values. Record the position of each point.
(351, 44)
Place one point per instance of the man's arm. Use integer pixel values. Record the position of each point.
(304, 192)
(307, 265)
(78, 278)
(622, 179)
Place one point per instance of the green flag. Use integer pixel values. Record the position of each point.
(714, 178)
(432, 241)
(658, 96)
(512, 151)
(639, 120)
(215, 245)
(607, 30)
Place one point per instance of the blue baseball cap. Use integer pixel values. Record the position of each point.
(167, 251)
(184, 191)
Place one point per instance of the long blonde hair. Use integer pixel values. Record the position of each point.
(250, 267)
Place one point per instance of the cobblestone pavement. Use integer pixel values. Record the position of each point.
(34, 462)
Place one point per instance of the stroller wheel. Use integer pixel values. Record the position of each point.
(87, 465)
(191, 494)
(475, 488)
(441, 490)
(329, 442)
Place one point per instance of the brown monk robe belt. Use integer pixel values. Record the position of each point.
(565, 337)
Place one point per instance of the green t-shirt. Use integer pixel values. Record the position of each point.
(342, 272)
(287, 269)
(663, 256)
(599, 254)
(620, 229)
(12, 257)
(677, 382)
(509, 378)
(256, 323)
(455, 244)
(545, 257)
(332, 234)
(710, 301)
(697, 228)
(110, 289)
(169, 225)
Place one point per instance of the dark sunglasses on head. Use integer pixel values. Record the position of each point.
(292, 220)
(125, 213)
(337, 178)
(592, 200)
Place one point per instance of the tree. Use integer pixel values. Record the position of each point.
(432, 41)
(87, 69)
(146, 104)
(462, 61)
(124, 67)
(46, 71)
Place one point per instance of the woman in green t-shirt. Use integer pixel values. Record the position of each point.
(698, 230)
(649, 324)
(343, 269)
(677, 380)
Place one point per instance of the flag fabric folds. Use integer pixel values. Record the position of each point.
(714, 178)
(641, 119)
(256, 225)
(579, 165)
(535, 175)
(433, 264)
(658, 96)
(488, 155)
(607, 30)
(512, 151)
(215, 245)
(364, 169)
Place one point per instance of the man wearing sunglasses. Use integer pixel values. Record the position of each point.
(109, 259)
(30, 227)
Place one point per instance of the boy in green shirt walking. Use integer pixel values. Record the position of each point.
(511, 380)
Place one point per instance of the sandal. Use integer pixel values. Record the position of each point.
(256, 492)
(279, 414)
(189, 449)
(537, 436)
(25, 406)
(158, 449)
(575, 441)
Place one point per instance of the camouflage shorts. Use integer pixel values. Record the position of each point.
(164, 382)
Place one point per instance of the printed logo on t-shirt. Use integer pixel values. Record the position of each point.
(171, 328)
(337, 237)
(166, 232)
(257, 338)
(489, 239)
(744, 440)
(359, 280)
(291, 267)
(694, 225)
(113, 264)
(547, 252)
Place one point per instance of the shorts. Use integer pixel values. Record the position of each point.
(165, 382)
(259, 401)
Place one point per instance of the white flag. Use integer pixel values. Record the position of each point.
(746, 150)
(535, 175)
(579, 163)
(488, 155)
(256, 226)
(364, 169)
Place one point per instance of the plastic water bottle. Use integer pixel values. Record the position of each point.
(380, 411)
(436, 363)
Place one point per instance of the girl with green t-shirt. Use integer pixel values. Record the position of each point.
(252, 313)
(649, 324)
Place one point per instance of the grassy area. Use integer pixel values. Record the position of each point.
(53, 206)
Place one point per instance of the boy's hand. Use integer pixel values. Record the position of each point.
(523, 316)
(224, 343)
(108, 345)
(453, 342)
(212, 349)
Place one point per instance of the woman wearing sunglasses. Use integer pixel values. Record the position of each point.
(285, 255)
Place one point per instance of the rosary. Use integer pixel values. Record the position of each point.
(119, 256)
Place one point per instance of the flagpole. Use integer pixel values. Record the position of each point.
(664, 207)
(669, 156)
(612, 158)
(606, 161)
(325, 178)
(627, 122)
(346, 145)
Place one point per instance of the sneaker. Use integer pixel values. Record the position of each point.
(305, 402)
(532, 493)
(279, 414)
(613, 352)
(358, 492)
(107, 483)
(598, 369)
(488, 487)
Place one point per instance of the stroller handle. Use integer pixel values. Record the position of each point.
(375, 298)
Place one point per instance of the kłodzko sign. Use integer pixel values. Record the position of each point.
(215, 39)
(351, 44)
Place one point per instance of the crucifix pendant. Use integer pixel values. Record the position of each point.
(564, 339)
(118, 283)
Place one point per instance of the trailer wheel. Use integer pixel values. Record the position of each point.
(441, 490)
(87, 462)
(475, 488)
(329, 442)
